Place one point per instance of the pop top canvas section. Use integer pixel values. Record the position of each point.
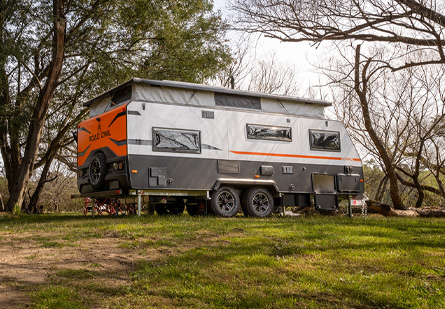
(178, 93)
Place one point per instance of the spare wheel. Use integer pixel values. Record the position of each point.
(97, 170)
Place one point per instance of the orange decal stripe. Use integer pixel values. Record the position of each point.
(293, 156)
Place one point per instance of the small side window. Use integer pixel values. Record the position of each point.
(174, 140)
(274, 133)
(324, 140)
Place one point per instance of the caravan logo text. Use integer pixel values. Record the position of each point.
(99, 135)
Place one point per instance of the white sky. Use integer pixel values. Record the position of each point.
(300, 56)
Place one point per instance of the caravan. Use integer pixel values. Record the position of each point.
(200, 145)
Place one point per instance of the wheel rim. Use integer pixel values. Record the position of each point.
(226, 201)
(260, 203)
(95, 170)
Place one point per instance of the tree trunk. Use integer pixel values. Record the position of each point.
(32, 207)
(381, 189)
(388, 211)
(362, 94)
(440, 184)
(421, 194)
(25, 168)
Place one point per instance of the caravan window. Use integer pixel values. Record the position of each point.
(324, 140)
(274, 133)
(119, 97)
(173, 140)
(239, 101)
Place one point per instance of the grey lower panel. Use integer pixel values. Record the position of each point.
(201, 174)
(113, 181)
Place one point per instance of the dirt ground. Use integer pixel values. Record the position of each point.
(25, 263)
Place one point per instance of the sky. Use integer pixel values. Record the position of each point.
(300, 56)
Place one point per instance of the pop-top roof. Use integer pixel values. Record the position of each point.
(200, 87)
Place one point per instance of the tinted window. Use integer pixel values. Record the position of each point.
(119, 97)
(240, 101)
(122, 95)
(176, 140)
(269, 132)
(325, 140)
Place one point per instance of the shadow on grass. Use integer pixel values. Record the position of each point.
(261, 274)
(65, 285)
(56, 218)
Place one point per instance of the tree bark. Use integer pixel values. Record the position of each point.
(25, 167)
(32, 207)
(381, 188)
(424, 187)
(388, 211)
(421, 194)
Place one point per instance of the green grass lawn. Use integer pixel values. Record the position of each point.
(242, 263)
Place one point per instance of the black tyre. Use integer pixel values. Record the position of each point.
(225, 202)
(259, 202)
(97, 171)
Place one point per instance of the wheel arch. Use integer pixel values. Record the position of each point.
(100, 150)
(242, 184)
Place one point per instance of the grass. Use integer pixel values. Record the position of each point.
(56, 296)
(77, 273)
(245, 263)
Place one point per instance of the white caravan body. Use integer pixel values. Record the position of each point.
(181, 139)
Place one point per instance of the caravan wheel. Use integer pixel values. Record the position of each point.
(258, 203)
(225, 202)
(97, 170)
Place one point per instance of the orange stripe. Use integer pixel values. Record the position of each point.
(293, 156)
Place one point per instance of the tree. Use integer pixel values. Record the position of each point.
(238, 71)
(376, 181)
(405, 27)
(59, 49)
(259, 73)
(405, 110)
(271, 76)
(361, 86)
(408, 25)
